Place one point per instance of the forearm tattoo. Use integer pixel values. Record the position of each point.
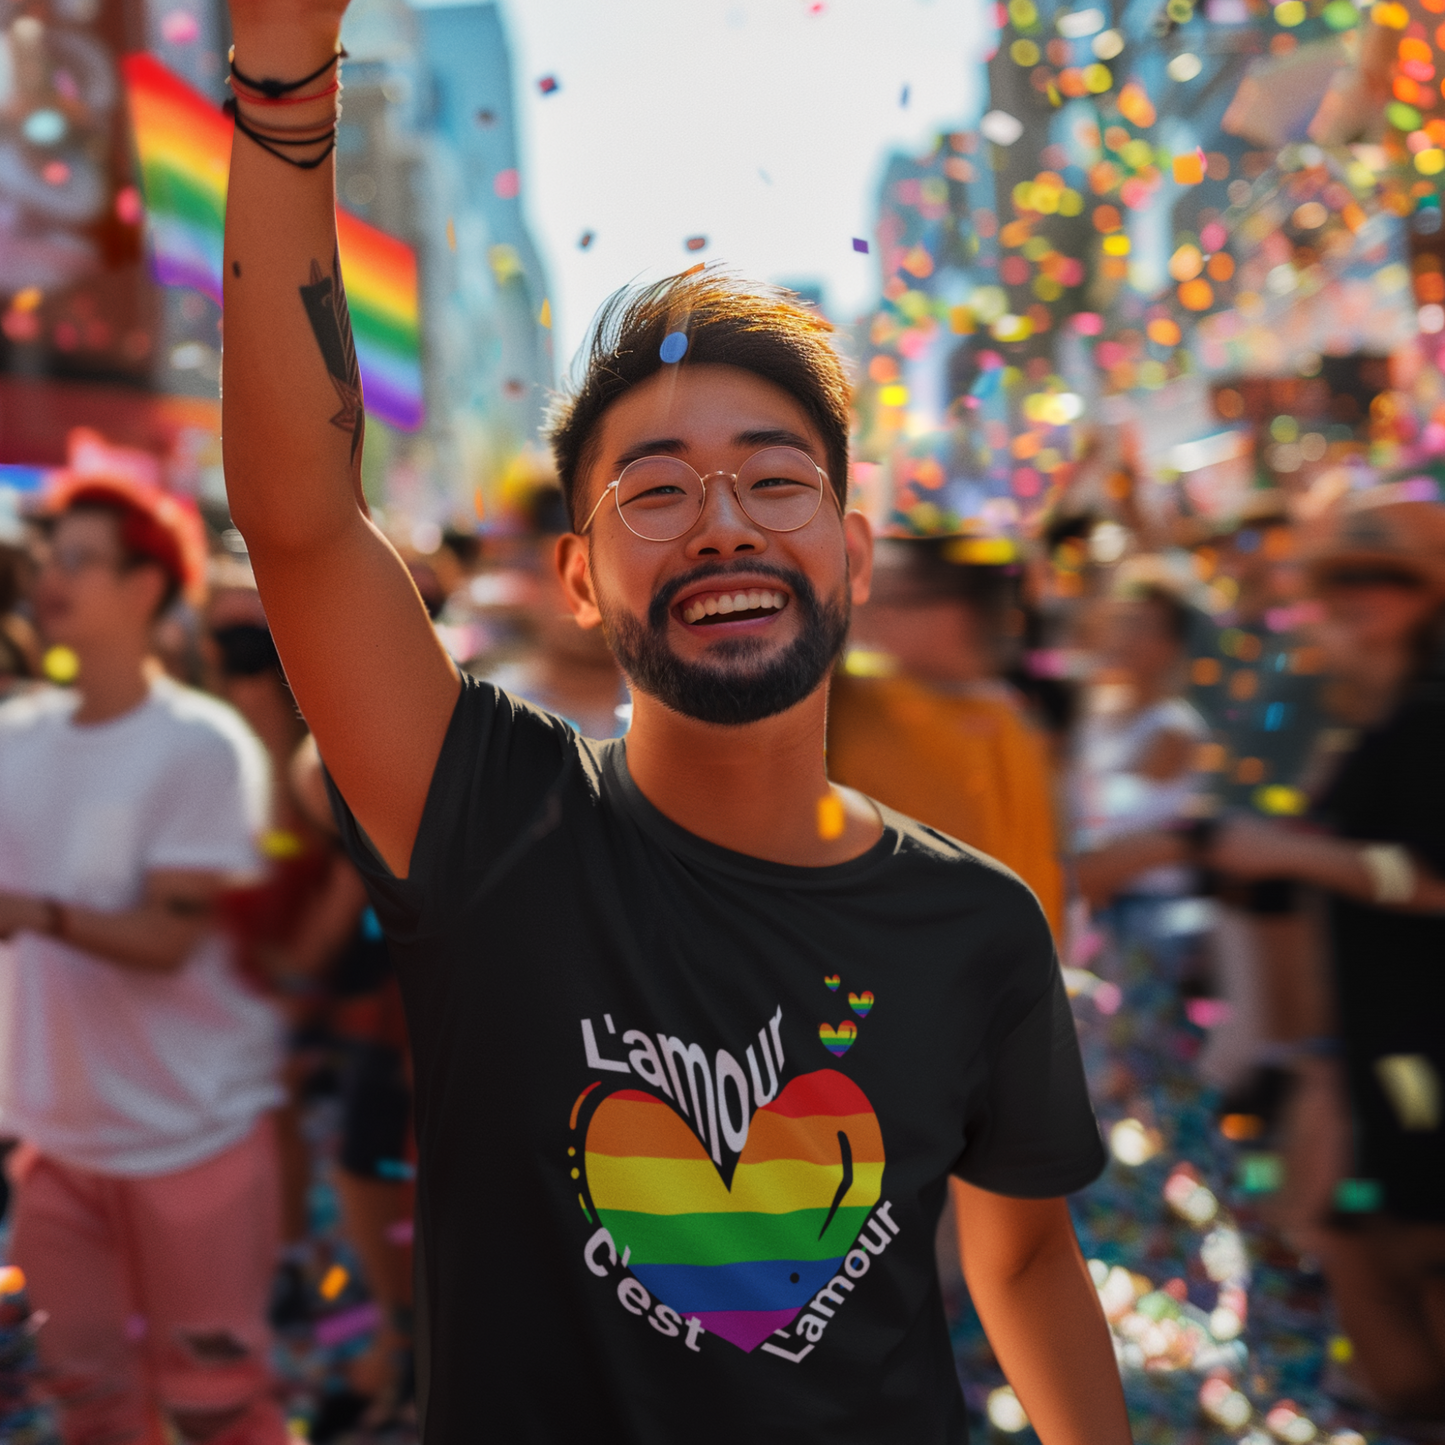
(325, 301)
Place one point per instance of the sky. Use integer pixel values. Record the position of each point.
(762, 125)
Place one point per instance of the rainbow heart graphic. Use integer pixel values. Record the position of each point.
(838, 1041)
(861, 1003)
(745, 1257)
(831, 982)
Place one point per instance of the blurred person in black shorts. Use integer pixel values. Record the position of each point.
(1381, 1230)
(376, 1157)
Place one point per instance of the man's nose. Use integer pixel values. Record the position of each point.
(723, 528)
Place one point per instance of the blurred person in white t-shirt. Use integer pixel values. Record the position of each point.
(137, 1066)
(1135, 788)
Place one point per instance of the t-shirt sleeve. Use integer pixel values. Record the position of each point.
(216, 801)
(1033, 1133)
(500, 764)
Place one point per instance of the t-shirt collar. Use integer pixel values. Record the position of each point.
(619, 788)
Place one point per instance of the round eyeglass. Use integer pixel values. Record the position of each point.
(660, 498)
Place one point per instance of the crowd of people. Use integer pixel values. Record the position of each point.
(1232, 820)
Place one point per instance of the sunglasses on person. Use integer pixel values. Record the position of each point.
(1359, 576)
(661, 498)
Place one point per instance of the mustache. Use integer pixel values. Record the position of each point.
(661, 605)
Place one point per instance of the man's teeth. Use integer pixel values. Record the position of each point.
(723, 603)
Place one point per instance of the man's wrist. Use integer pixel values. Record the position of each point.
(284, 51)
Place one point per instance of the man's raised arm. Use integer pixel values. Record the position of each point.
(372, 679)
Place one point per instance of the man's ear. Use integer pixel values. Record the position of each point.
(573, 560)
(858, 539)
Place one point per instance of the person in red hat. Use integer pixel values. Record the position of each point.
(136, 1066)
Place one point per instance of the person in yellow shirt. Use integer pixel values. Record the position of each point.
(920, 720)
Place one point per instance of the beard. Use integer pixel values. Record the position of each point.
(739, 683)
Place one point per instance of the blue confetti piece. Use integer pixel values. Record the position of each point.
(987, 384)
(673, 348)
(859, 244)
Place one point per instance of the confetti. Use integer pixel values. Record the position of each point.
(1005, 1413)
(1081, 24)
(60, 665)
(548, 85)
(859, 244)
(585, 240)
(695, 243)
(673, 348)
(544, 316)
(451, 234)
(831, 817)
(180, 27)
(903, 97)
(1001, 128)
(1132, 1143)
(333, 1282)
(1188, 170)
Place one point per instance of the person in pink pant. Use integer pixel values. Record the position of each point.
(136, 1066)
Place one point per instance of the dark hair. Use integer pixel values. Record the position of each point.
(246, 650)
(727, 322)
(144, 541)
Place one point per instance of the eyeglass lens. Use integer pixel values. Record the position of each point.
(72, 561)
(660, 498)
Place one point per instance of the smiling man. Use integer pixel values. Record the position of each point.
(699, 1037)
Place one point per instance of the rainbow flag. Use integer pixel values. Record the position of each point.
(184, 145)
(746, 1256)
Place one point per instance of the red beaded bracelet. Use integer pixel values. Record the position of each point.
(251, 98)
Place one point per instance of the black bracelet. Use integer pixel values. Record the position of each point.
(269, 143)
(276, 88)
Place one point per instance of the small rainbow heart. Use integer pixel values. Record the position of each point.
(861, 1003)
(838, 1041)
(832, 981)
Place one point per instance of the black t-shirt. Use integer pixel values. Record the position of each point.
(1390, 966)
(685, 1117)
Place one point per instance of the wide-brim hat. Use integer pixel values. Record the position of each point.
(1406, 535)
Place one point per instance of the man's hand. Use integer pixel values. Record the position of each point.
(156, 936)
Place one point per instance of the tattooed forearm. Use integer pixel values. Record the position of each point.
(325, 303)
